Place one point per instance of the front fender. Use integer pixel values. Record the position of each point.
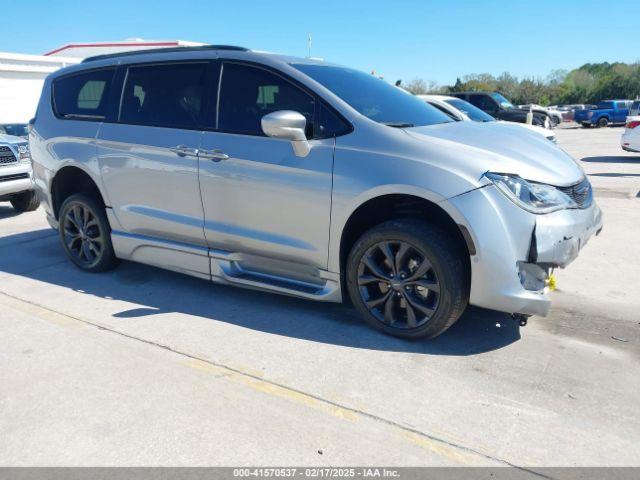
(340, 216)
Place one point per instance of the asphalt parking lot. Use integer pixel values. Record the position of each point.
(142, 366)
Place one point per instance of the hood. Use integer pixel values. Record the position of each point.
(11, 139)
(504, 148)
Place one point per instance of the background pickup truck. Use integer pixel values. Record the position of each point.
(606, 113)
(499, 107)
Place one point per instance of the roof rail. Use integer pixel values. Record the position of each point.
(165, 50)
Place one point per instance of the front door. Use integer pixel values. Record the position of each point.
(260, 200)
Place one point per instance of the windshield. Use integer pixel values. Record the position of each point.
(374, 98)
(473, 112)
(504, 103)
(17, 129)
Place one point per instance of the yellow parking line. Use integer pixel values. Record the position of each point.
(458, 454)
(274, 390)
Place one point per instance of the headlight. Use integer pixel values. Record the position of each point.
(23, 150)
(533, 197)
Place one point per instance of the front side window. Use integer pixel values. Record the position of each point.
(331, 125)
(374, 98)
(445, 111)
(169, 95)
(248, 93)
(83, 95)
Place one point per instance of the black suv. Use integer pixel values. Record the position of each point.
(499, 107)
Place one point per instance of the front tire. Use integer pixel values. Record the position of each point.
(408, 279)
(86, 235)
(25, 201)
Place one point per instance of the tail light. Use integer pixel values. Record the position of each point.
(633, 124)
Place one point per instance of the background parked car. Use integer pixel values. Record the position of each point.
(16, 175)
(15, 129)
(606, 113)
(568, 111)
(461, 111)
(555, 115)
(634, 110)
(499, 107)
(631, 137)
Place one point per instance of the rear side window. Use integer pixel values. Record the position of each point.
(169, 95)
(248, 93)
(83, 95)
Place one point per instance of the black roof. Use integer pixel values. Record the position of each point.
(165, 50)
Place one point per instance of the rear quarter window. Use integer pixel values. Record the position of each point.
(83, 95)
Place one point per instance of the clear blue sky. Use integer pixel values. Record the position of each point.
(436, 40)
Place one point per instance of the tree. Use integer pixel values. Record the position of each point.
(418, 86)
(590, 83)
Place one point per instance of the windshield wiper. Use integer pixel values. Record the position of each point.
(398, 124)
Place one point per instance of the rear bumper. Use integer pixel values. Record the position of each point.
(15, 179)
(516, 249)
(630, 142)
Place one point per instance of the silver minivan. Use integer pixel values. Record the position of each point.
(304, 178)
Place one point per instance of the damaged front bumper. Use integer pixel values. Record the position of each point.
(516, 250)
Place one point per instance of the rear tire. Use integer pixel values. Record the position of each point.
(25, 201)
(408, 279)
(603, 123)
(86, 235)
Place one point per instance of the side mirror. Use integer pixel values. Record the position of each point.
(288, 125)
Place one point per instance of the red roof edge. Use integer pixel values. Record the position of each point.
(133, 44)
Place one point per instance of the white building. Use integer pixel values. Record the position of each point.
(21, 79)
(22, 76)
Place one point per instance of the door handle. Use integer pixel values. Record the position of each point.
(216, 155)
(183, 151)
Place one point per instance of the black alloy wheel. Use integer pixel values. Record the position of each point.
(85, 234)
(408, 278)
(398, 284)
